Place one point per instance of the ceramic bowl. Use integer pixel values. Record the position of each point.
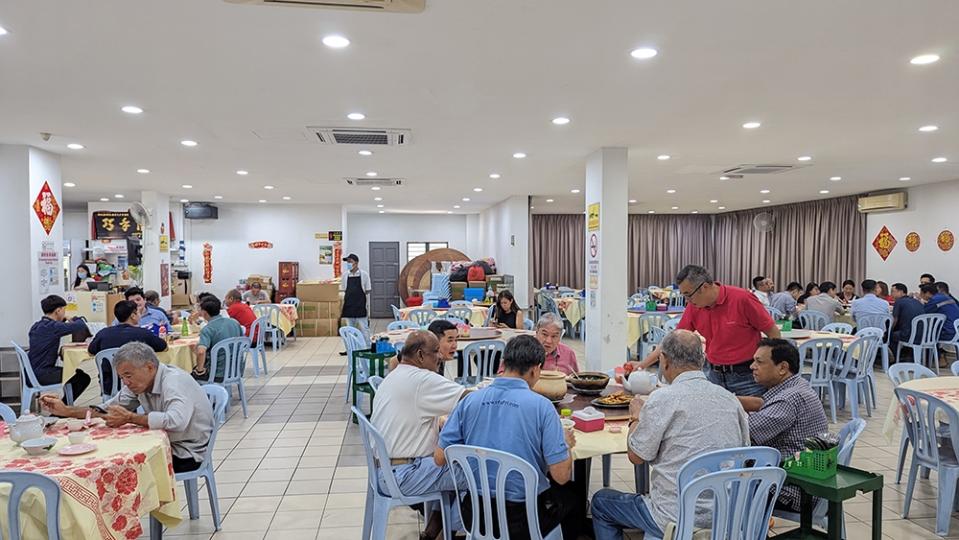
(77, 437)
(38, 446)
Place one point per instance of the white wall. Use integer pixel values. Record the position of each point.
(361, 229)
(291, 229)
(502, 232)
(17, 308)
(932, 208)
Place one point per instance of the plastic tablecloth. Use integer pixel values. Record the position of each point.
(180, 353)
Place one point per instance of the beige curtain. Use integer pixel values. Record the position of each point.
(558, 249)
(659, 245)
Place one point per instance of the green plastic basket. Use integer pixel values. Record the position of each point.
(818, 464)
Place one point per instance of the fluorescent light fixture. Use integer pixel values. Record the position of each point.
(365, 152)
(928, 129)
(663, 157)
(804, 158)
(494, 176)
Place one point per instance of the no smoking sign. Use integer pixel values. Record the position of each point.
(593, 245)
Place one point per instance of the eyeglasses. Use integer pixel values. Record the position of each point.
(696, 290)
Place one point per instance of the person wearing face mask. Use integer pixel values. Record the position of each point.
(83, 274)
(356, 286)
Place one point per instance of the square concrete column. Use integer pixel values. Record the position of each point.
(607, 190)
(156, 261)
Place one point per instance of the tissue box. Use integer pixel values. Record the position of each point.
(589, 419)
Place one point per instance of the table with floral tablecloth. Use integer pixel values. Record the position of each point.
(944, 388)
(477, 317)
(180, 353)
(104, 493)
(287, 318)
(571, 308)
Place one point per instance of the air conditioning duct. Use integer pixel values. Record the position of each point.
(394, 6)
(883, 202)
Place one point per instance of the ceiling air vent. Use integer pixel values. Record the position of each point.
(395, 6)
(759, 169)
(366, 137)
(371, 182)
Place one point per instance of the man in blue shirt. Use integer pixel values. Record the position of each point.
(785, 301)
(117, 336)
(938, 300)
(149, 315)
(869, 303)
(509, 417)
(45, 337)
(905, 309)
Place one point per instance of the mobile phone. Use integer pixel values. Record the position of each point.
(99, 409)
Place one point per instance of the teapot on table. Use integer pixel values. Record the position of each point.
(640, 382)
(28, 426)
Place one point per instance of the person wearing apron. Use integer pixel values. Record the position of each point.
(356, 285)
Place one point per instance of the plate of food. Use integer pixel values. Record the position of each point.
(616, 400)
(588, 383)
(480, 333)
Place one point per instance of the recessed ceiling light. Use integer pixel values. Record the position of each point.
(694, 212)
(241, 172)
(643, 53)
(663, 157)
(143, 171)
(450, 211)
(675, 208)
(117, 195)
(632, 201)
(466, 199)
(721, 207)
(519, 155)
(724, 178)
(365, 152)
(262, 200)
(456, 206)
(494, 176)
(560, 120)
(75, 146)
(184, 200)
(835, 178)
(905, 178)
(188, 142)
(379, 206)
(766, 201)
(69, 184)
(927, 129)
(336, 41)
(751, 125)
(186, 186)
(267, 187)
(574, 191)
(823, 191)
(477, 189)
(939, 160)
(670, 191)
(218, 197)
(549, 200)
(371, 173)
(356, 116)
(375, 188)
(651, 212)
(764, 191)
(713, 201)
(804, 158)
(3, 31)
(287, 197)
(105, 199)
(377, 199)
(382, 211)
(924, 59)
(131, 109)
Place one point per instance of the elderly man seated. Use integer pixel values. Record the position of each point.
(171, 401)
(689, 417)
(256, 295)
(559, 357)
(788, 412)
(409, 404)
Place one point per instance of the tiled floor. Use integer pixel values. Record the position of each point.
(295, 470)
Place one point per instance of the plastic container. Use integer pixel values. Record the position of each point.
(818, 464)
(473, 293)
(589, 420)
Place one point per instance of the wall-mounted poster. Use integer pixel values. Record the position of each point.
(326, 254)
(46, 208)
(912, 241)
(884, 243)
(946, 240)
(164, 279)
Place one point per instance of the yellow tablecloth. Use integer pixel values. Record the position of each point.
(397, 336)
(181, 353)
(572, 309)
(600, 443)
(477, 318)
(633, 329)
(287, 318)
(944, 388)
(103, 494)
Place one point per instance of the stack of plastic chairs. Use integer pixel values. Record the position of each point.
(440, 286)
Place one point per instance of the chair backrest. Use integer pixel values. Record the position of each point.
(650, 320)
(848, 436)
(375, 381)
(258, 331)
(954, 367)
(813, 320)
(485, 471)
(549, 305)
(353, 340)
(728, 458)
(291, 300)
(7, 414)
(460, 312)
(859, 357)
(775, 313)
(528, 323)
(95, 327)
(929, 418)
(869, 331)
(397, 315)
(656, 335)
(270, 311)
(26, 369)
(874, 320)
(377, 457)
(671, 324)
(926, 328)
(485, 353)
(742, 501)
(838, 328)
(421, 316)
(219, 399)
(676, 299)
(461, 303)
(233, 351)
(825, 354)
(401, 325)
(20, 482)
(108, 354)
(955, 336)
(907, 371)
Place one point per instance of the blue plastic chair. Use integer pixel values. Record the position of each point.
(397, 315)
(853, 373)
(29, 384)
(107, 355)
(934, 435)
(528, 324)
(379, 504)
(676, 299)
(481, 354)
(421, 316)
(775, 313)
(375, 381)
(464, 313)
(728, 458)
(898, 374)
(454, 319)
(258, 351)
(219, 399)
(838, 328)
(485, 471)
(924, 338)
(7, 414)
(884, 323)
(871, 373)
(954, 368)
(233, 351)
(291, 300)
(671, 324)
(401, 325)
(647, 340)
(954, 342)
(813, 320)
(825, 354)
(20, 482)
(353, 340)
(742, 502)
(272, 313)
(489, 315)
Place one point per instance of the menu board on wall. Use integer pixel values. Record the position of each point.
(113, 224)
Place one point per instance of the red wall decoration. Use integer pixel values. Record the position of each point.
(207, 262)
(46, 208)
(912, 241)
(261, 244)
(946, 240)
(884, 243)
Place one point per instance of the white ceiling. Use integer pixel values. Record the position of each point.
(478, 80)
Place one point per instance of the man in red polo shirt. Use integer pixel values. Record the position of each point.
(732, 321)
(240, 312)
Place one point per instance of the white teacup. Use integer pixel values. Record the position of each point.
(77, 437)
(75, 424)
(567, 423)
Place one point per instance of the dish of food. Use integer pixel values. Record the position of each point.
(588, 381)
(617, 400)
(480, 333)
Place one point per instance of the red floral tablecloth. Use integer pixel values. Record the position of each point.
(104, 493)
(944, 388)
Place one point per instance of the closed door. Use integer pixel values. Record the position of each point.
(384, 273)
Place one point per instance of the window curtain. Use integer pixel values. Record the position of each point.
(558, 249)
(659, 245)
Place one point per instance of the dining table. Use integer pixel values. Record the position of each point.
(572, 307)
(103, 493)
(477, 317)
(944, 388)
(181, 352)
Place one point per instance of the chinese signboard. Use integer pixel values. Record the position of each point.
(592, 217)
(113, 224)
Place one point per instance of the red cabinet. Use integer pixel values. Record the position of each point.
(289, 275)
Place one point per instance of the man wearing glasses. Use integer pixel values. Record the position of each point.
(731, 320)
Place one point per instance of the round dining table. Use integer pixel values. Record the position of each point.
(477, 317)
(104, 493)
(180, 353)
(944, 388)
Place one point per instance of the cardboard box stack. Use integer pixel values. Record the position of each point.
(320, 308)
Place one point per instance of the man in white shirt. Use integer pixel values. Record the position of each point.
(409, 404)
(869, 303)
(762, 286)
(256, 295)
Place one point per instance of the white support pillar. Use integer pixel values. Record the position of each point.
(155, 260)
(607, 192)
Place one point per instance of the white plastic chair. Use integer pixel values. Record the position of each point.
(219, 398)
(461, 303)
(898, 374)
(291, 300)
(854, 371)
(107, 355)
(838, 328)
(954, 342)
(95, 327)
(29, 384)
(813, 320)
(528, 323)
(485, 471)
(483, 355)
(233, 352)
(884, 323)
(955, 368)
(353, 340)
(272, 313)
(258, 351)
(421, 316)
(397, 315)
(20, 482)
(379, 504)
(871, 373)
(7, 414)
(375, 381)
(647, 340)
(825, 354)
(924, 338)
(775, 313)
(742, 502)
(401, 325)
(464, 313)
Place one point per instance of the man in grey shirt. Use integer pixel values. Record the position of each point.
(171, 399)
(825, 302)
(689, 417)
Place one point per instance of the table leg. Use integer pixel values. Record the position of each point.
(805, 513)
(835, 520)
(156, 529)
(641, 476)
(877, 514)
